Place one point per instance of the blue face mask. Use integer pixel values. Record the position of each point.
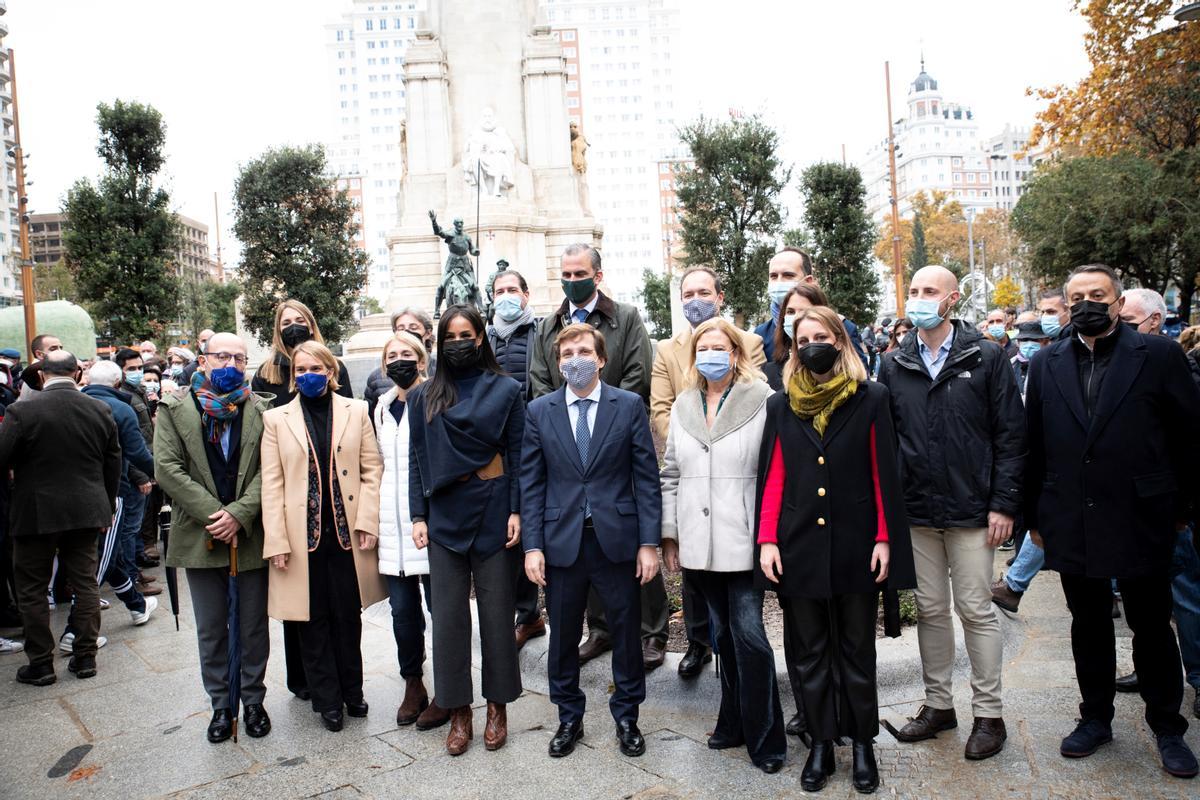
(924, 313)
(1050, 325)
(699, 310)
(226, 379)
(777, 290)
(713, 364)
(134, 378)
(312, 384)
(789, 325)
(1028, 349)
(996, 331)
(508, 308)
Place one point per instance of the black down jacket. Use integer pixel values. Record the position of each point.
(962, 435)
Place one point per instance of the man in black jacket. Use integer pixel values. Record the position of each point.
(961, 428)
(1111, 479)
(62, 448)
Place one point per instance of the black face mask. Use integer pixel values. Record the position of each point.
(1090, 317)
(818, 357)
(403, 372)
(295, 334)
(461, 353)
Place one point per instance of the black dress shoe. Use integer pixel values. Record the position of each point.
(771, 765)
(302, 693)
(1196, 704)
(83, 666)
(145, 562)
(36, 674)
(333, 720)
(221, 727)
(258, 724)
(563, 743)
(358, 709)
(819, 766)
(693, 661)
(1128, 683)
(632, 743)
(721, 742)
(1177, 758)
(796, 725)
(866, 771)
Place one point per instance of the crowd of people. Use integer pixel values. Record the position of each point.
(830, 466)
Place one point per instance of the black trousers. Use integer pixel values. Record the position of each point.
(293, 661)
(33, 560)
(525, 591)
(567, 590)
(331, 640)
(1148, 603)
(750, 707)
(833, 642)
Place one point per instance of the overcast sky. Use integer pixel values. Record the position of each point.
(234, 78)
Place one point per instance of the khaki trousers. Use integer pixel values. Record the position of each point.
(957, 562)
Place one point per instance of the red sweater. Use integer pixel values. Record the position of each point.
(772, 502)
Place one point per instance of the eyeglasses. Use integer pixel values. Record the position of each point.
(223, 358)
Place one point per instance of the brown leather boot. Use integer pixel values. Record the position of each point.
(416, 700)
(927, 724)
(495, 734)
(460, 731)
(987, 738)
(433, 717)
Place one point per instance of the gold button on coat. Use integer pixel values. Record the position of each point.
(820, 459)
(820, 520)
(821, 492)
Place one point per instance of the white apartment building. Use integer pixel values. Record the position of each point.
(624, 82)
(939, 148)
(10, 231)
(365, 55)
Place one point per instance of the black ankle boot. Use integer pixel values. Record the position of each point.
(866, 772)
(819, 767)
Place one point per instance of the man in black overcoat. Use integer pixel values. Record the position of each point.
(1112, 416)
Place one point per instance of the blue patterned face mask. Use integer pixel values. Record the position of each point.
(312, 384)
(579, 371)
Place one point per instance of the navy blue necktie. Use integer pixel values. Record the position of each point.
(583, 440)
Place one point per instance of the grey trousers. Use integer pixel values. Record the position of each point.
(210, 606)
(451, 575)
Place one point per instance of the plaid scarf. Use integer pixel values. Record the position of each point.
(219, 409)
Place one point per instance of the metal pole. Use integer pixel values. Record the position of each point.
(217, 230)
(897, 268)
(479, 258)
(971, 259)
(29, 295)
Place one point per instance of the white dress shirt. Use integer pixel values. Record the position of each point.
(573, 407)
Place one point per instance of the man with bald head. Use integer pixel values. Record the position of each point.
(209, 436)
(960, 423)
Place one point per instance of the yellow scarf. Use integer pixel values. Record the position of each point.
(818, 401)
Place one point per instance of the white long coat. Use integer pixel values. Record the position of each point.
(397, 553)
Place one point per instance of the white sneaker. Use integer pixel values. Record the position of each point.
(10, 646)
(144, 617)
(104, 604)
(67, 643)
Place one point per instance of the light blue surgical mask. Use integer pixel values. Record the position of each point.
(925, 314)
(777, 290)
(1028, 349)
(789, 325)
(713, 364)
(1050, 325)
(134, 378)
(508, 307)
(996, 331)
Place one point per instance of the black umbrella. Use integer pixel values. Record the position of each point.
(164, 529)
(235, 636)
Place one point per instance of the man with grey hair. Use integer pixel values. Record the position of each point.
(628, 367)
(1144, 310)
(59, 443)
(406, 320)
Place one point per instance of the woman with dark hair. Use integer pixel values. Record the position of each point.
(801, 297)
(465, 429)
(899, 328)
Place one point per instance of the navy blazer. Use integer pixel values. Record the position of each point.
(620, 482)
(1105, 493)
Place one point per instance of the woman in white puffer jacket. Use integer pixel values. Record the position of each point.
(405, 567)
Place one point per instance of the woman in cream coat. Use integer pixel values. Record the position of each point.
(321, 473)
(404, 566)
(708, 487)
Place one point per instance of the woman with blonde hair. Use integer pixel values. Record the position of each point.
(403, 565)
(321, 474)
(708, 486)
(832, 532)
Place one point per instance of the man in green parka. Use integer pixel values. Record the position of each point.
(206, 453)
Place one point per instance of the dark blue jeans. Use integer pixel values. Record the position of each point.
(1185, 591)
(750, 709)
(408, 621)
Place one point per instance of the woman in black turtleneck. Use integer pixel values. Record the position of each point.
(320, 498)
(465, 429)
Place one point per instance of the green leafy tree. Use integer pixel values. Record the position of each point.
(55, 282)
(835, 211)
(656, 298)
(920, 255)
(731, 208)
(297, 232)
(370, 305)
(1136, 214)
(208, 304)
(120, 235)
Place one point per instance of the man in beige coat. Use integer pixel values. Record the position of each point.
(700, 290)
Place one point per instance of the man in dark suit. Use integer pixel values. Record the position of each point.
(63, 450)
(1112, 419)
(596, 524)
